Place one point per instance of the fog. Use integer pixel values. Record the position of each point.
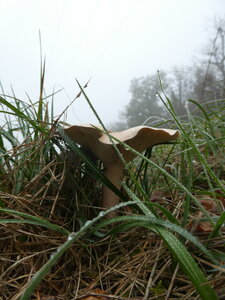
(107, 41)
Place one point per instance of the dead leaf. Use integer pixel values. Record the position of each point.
(209, 204)
(220, 196)
(157, 196)
(204, 227)
(198, 226)
(94, 295)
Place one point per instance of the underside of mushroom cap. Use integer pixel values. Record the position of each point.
(88, 135)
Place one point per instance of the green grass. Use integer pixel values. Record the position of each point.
(57, 239)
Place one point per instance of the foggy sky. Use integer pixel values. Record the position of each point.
(109, 41)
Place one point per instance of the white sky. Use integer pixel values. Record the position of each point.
(111, 41)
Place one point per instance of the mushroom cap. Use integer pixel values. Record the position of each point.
(85, 134)
(88, 135)
(139, 138)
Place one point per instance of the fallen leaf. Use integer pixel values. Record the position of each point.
(156, 196)
(220, 196)
(94, 295)
(209, 204)
(198, 226)
(204, 227)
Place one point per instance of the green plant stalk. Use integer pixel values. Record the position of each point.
(112, 139)
(191, 142)
(220, 222)
(150, 221)
(171, 110)
(31, 222)
(72, 237)
(206, 136)
(195, 200)
(20, 114)
(34, 219)
(182, 231)
(183, 256)
(187, 180)
(178, 250)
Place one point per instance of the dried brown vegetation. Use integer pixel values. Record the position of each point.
(134, 265)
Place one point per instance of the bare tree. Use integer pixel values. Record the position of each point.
(214, 79)
(181, 84)
(202, 82)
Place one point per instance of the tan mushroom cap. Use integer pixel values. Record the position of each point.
(85, 134)
(88, 135)
(139, 138)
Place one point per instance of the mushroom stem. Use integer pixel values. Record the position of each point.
(109, 199)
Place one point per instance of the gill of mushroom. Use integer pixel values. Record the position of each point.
(101, 144)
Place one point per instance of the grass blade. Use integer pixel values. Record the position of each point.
(33, 220)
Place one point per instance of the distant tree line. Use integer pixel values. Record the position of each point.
(203, 81)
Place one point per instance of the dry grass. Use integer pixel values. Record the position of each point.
(133, 265)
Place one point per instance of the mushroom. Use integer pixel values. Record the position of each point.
(101, 144)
